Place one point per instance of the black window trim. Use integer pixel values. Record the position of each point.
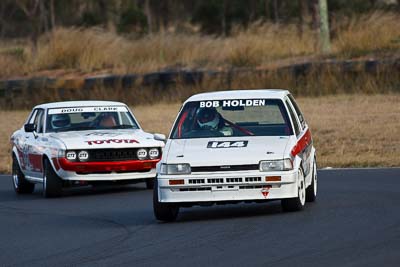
(297, 109)
(292, 111)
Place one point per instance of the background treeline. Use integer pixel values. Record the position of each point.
(80, 38)
(22, 18)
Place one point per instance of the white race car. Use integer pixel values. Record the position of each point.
(235, 146)
(82, 142)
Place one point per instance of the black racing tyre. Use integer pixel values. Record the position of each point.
(150, 183)
(20, 184)
(311, 191)
(52, 184)
(163, 211)
(296, 203)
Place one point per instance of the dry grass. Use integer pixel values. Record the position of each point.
(378, 32)
(348, 130)
(91, 50)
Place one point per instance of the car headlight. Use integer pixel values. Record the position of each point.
(276, 165)
(71, 155)
(172, 169)
(83, 155)
(154, 153)
(141, 153)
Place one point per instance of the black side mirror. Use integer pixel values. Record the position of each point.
(30, 127)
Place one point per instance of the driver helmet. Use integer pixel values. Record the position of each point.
(60, 121)
(208, 118)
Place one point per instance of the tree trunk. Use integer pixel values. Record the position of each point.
(302, 16)
(44, 25)
(31, 13)
(276, 11)
(224, 29)
(147, 11)
(315, 22)
(52, 15)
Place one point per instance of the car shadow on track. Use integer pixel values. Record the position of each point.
(229, 211)
(101, 190)
(9, 194)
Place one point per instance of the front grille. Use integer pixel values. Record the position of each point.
(234, 180)
(195, 189)
(196, 181)
(119, 154)
(215, 181)
(253, 179)
(226, 168)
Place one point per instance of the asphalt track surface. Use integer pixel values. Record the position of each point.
(355, 222)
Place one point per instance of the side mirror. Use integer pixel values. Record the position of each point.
(30, 127)
(160, 137)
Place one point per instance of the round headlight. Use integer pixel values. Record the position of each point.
(154, 153)
(83, 155)
(71, 155)
(141, 153)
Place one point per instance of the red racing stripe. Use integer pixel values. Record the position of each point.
(303, 142)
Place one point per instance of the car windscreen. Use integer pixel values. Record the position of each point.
(89, 118)
(232, 117)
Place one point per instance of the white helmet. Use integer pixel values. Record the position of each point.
(60, 121)
(208, 118)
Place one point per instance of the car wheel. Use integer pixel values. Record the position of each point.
(150, 183)
(163, 211)
(311, 192)
(20, 184)
(52, 184)
(296, 203)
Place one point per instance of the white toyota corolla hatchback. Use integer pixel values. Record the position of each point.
(82, 142)
(235, 146)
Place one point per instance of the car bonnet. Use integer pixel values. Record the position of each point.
(98, 139)
(222, 151)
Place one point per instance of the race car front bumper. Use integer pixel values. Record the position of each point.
(105, 171)
(228, 186)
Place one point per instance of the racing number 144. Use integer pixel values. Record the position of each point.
(226, 144)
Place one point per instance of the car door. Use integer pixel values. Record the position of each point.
(304, 140)
(33, 145)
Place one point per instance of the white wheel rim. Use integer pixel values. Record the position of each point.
(301, 188)
(15, 179)
(44, 183)
(315, 179)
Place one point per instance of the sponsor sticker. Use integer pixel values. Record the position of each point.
(265, 190)
(227, 144)
(233, 103)
(114, 141)
(87, 109)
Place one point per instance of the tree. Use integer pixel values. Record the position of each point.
(31, 10)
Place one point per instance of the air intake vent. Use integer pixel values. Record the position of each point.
(253, 179)
(196, 181)
(234, 180)
(215, 181)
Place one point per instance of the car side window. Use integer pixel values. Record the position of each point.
(299, 114)
(32, 117)
(293, 117)
(39, 121)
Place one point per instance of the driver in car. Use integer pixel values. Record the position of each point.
(209, 119)
(107, 121)
(59, 121)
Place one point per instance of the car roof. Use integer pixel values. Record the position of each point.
(240, 94)
(88, 103)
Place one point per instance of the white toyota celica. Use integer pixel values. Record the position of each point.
(234, 146)
(82, 142)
